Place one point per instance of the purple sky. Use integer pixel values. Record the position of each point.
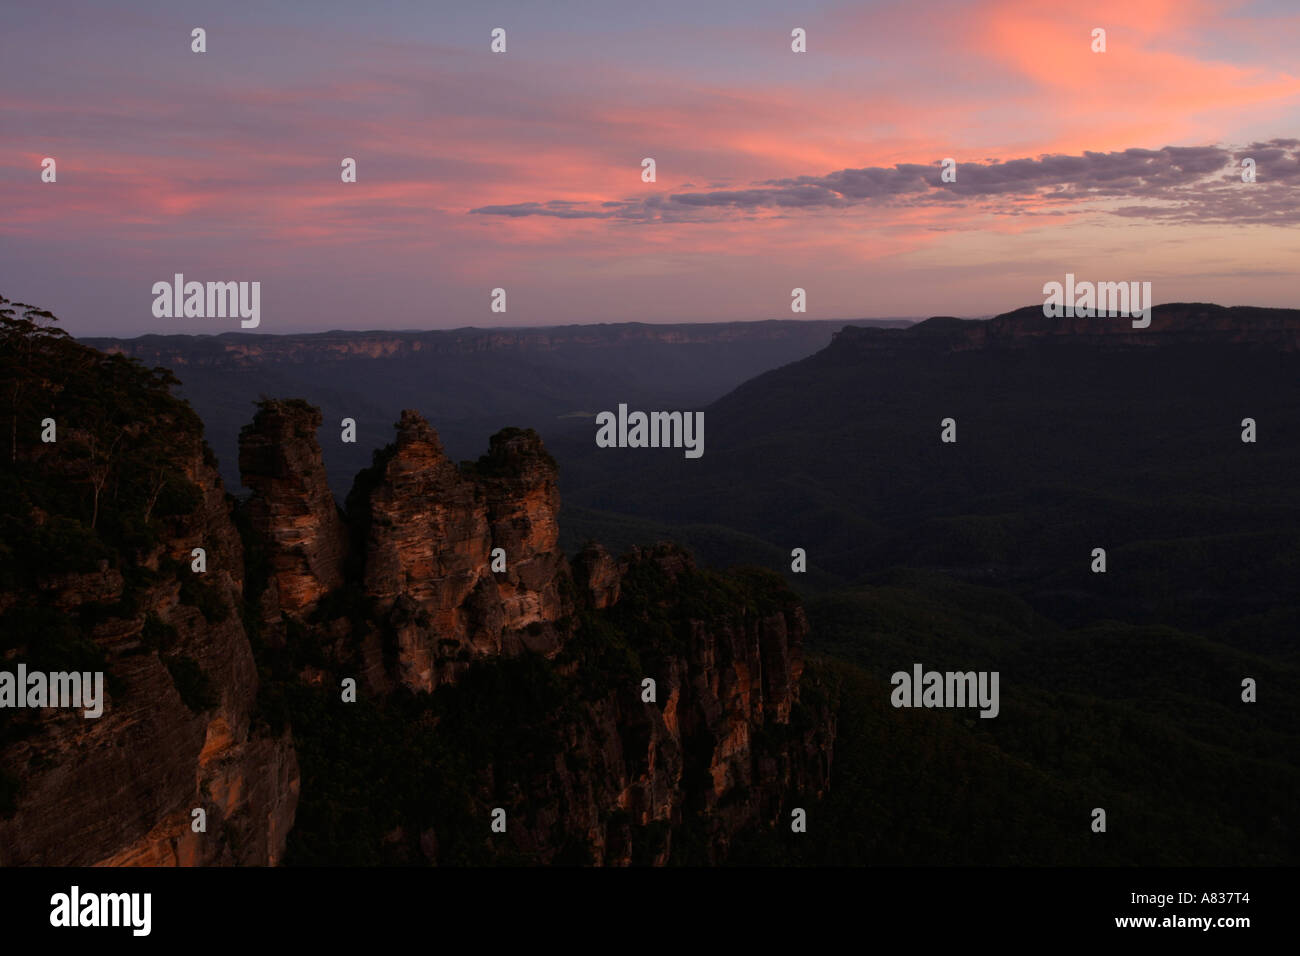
(522, 170)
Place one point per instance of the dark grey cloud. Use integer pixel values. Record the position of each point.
(1177, 183)
(556, 207)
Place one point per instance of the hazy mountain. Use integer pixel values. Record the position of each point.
(470, 382)
(1071, 435)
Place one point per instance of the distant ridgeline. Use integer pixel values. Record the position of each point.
(1004, 449)
(473, 381)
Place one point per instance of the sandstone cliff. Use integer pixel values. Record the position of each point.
(291, 505)
(452, 563)
(100, 529)
(726, 745)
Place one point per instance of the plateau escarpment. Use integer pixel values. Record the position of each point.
(1172, 324)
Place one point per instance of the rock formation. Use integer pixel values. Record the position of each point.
(598, 575)
(717, 751)
(224, 629)
(292, 507)
(425, 538)
(612, 779)
(122, 788)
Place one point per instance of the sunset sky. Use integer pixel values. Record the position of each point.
(523, 170)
